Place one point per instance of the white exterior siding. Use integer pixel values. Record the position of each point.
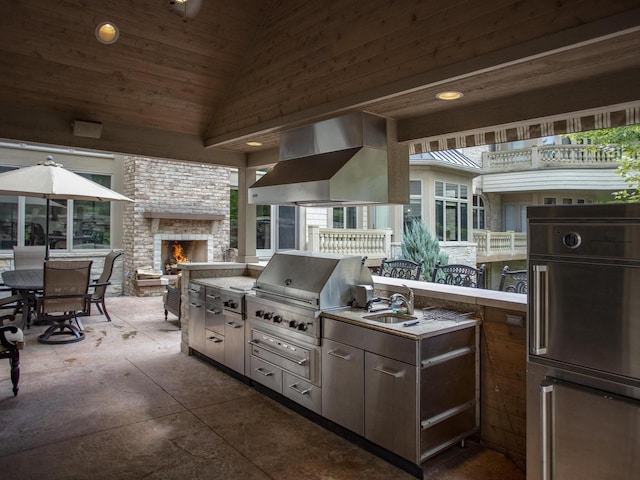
(545, 180)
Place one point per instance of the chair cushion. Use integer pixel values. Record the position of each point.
(17, 338)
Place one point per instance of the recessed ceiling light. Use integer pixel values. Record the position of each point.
(254, 144)
(449, 95)
(107, 33)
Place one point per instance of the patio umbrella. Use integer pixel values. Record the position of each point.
(49, 180)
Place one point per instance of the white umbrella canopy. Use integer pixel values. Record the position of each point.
(50, 180)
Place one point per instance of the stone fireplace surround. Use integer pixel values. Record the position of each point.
(162, 243)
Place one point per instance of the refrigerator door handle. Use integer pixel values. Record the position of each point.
(540, 310)
(546, 431)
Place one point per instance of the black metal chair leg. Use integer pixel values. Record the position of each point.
(104, 310)
(15, 372)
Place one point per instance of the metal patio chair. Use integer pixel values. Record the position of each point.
(460, 275)
(513, 280)
(405, 269)
(28, 257)
(100, 285)
(64, 298)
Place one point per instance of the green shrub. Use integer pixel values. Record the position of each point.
(420, 246)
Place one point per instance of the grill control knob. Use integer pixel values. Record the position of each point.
(227, 303)
(259, 313)
(267, 316)
(277, 319)
(302, 326)
(232, 304)
(293, 324)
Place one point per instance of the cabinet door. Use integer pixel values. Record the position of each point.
(390, 418)
(196, 318)
(234, 343)
(343, 385)
(214, 346)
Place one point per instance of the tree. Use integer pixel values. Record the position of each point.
(625, 141)
(420, 246)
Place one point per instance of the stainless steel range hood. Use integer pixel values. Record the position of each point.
(341, 161)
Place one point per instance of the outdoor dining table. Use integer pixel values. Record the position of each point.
(27, 282)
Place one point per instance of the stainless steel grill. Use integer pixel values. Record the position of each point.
(284, 315)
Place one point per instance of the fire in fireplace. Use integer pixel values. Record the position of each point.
(181, 251)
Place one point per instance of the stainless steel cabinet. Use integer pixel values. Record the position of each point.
(196, 317)
(234, 342)
(390, 407)
(343, 385)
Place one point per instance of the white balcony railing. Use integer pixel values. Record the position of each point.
(550, 156)
(345, 241)
(500, 243)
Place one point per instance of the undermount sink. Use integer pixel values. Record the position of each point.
(390, 317)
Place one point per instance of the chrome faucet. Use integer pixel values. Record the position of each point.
(397, 300)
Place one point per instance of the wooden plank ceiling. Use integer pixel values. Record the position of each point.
(198, 88)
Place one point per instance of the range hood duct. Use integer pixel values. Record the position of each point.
(341, 161)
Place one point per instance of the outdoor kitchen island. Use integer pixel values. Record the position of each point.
(402, 386)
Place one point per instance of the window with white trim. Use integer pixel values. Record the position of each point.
(452, 206)
(478, 213)
(23, 220)
(412, 212)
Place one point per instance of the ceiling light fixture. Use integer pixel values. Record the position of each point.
(107, 33)
(254, 144)
(451, 95)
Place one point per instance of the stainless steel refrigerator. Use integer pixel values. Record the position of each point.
(583, 363)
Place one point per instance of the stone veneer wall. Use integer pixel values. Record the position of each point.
(171, 186)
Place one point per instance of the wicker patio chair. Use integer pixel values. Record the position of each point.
(100, 285)
(65, 297)
(11, 342)
(513, 280)
(460, 275)
(405, 269)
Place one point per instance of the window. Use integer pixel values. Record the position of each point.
(23, 221)
(452, 206)
(549, 201)
(276, 229)
(344, 217)
(567, 201)
(478, 212)
(233, 218)
(413, 211)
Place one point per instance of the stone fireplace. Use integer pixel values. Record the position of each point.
(175, 201)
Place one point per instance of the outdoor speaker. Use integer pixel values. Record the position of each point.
(86, 129)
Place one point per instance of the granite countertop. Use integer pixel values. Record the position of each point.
(436, 322)
(226, 282)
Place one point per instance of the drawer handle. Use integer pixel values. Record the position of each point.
(334, 353)
(264, 372)
(197, 305)
(233, 324)
(215, 311)
(389, 372)
(295, 388)
(214, 339)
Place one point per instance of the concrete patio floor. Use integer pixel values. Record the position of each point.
(126, 404)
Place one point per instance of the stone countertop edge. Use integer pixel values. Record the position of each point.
(215, 266)
(472, 296)
(354, 316)
(225, 282)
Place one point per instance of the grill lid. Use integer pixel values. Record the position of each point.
(316, 280)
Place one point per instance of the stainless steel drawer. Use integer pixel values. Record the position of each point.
(302, 392)
(267, 374)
